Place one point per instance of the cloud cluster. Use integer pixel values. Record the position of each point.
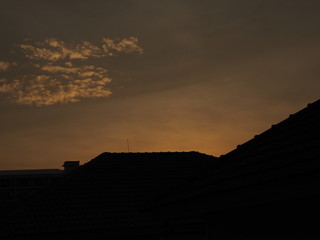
(59, 84)
(54, 50)
(62, 72)
(126, 45)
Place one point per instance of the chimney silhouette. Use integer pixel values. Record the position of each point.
(69, 166)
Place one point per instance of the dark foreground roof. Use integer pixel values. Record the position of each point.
(12, 173)
(104, 195)
(279, 165)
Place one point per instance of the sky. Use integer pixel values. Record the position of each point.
(78, 78)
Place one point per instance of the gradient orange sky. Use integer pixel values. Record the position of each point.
(78, 78)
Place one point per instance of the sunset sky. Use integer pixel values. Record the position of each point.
(78, 78)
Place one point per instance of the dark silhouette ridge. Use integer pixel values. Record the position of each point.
(267, 188)
(17, 185)
(103, 197)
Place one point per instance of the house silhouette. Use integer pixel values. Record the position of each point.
(17, 185)
(102, 198)
(267, 188)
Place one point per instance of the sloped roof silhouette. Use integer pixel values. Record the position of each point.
(279, 164)
(104, 194)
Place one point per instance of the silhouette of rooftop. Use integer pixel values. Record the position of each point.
(279, 164)
(104, 194)
(107, 194)
(30, 172)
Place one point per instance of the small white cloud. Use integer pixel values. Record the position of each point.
(7, 87)
(69, 64)
(58, 69)
(33, 53)
(4, 66)
(126, 45)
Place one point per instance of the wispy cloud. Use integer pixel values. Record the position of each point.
(54, 50)
(4, 66)
(62, 71)
(126, 45)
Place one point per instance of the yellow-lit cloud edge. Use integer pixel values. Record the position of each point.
(58, 79)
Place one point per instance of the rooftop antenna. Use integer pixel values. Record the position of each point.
(128, 145)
